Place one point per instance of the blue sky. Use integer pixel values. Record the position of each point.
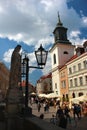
(31, 23)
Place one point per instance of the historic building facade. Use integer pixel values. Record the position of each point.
(44, 84)
(77, 73)
(31, 88)
(4, 80)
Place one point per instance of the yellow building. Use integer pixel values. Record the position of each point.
(64, 87)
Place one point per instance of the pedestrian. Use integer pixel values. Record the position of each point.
(41, 116)
(63, 121)
(47, 107)
(79, 111)
(67, 113)
(75, 111)
(59, 112)
(39, 106)
(44, 105)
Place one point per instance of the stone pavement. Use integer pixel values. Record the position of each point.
(75, 125)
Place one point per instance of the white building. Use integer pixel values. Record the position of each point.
(61, 51)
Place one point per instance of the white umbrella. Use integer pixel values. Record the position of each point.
(58, 99)
(52, 95)
(42, 95)
(75, 101)
(85, 98)
(79, 99)
(33, 93)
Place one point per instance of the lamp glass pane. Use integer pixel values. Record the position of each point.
(41, 56)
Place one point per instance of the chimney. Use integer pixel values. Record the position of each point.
(79, 50)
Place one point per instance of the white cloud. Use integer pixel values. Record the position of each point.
(75, 33)
(48, 4)
(48, 67)
(7, 55)
(84, 20)
(75, 37)
(45, 41)
(32, 21)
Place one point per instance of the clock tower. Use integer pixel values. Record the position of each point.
(61, 51)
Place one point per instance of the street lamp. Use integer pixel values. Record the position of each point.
(41, 57)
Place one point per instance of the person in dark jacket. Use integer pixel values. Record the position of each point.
(63, 121)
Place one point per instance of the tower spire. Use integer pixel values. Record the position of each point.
(60, 32)
(59, 21)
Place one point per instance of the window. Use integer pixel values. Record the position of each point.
(79, 66)
(70, 71)
(63, 84)
(75, 81)
(81, 80)
(86, 79)
(57, 92)
(71, 83)
(67, 98)
(54, 58)
(65, 52)
(73, 95)
(50, 88)
(62, 74)
(85, 64)
(74, 68)
(63, 98)
(55, 85)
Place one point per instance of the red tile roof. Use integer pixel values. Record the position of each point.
(46, 76)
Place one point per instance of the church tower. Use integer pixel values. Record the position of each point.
(61, 51)
(60, 33)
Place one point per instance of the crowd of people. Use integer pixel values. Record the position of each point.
(64, 113)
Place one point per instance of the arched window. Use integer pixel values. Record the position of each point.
(54, 58)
